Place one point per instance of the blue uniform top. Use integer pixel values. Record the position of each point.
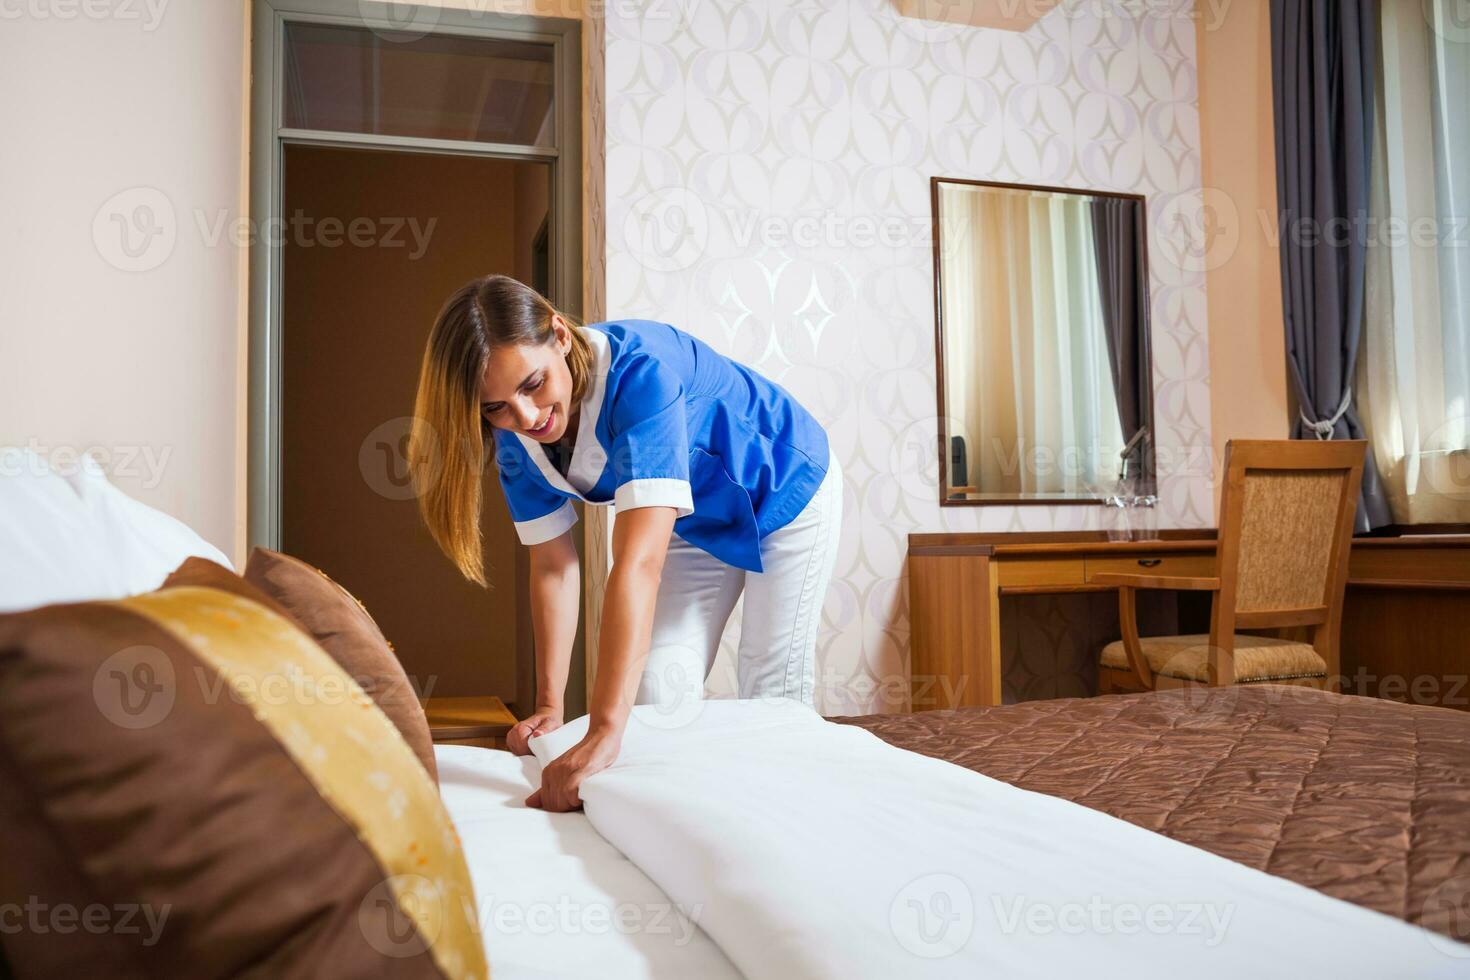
(666, 421)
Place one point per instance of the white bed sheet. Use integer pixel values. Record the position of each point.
(554, 898)
(819, 852)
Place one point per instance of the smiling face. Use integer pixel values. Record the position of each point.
(527, 388)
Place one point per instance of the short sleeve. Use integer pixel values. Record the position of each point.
(649, 457)
(540, 513)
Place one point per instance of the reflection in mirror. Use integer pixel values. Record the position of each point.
(1045, 387)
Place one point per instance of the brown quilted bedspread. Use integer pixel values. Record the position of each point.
(1365, 800)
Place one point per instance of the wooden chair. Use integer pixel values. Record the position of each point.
(1286, 526)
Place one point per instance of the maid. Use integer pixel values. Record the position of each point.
(722, 481)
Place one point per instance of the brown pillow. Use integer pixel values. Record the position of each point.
(336, 620)
(190, 759)
(206, 574)
(341, 624)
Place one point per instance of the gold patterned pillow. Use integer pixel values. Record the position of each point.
(190, 759)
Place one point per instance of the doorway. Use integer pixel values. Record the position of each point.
(397, 167)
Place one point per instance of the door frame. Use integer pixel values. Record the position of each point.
(268, 139)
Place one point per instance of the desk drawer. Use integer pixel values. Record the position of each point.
(1188, 566)
(1409, 564)
(1025, 572)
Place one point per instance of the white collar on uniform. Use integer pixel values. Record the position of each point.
(588, 457)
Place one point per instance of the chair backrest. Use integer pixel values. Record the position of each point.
(1286, 526)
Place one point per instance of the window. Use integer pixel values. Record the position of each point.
(1414, 376)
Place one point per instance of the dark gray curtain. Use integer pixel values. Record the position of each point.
(1118, 234)
(1324, 55)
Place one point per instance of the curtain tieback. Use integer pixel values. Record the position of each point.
(1325, 429)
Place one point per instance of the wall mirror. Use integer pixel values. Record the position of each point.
(1045, 379)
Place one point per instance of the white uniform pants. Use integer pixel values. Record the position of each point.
(783, 609)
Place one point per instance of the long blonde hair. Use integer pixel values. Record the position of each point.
(450, 438)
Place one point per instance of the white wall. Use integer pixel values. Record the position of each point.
(822, 123)
(1238, 121)
(111, 108)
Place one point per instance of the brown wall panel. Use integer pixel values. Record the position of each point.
(355, 320)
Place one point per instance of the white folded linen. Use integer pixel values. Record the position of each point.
(555, 901)
(816, 850)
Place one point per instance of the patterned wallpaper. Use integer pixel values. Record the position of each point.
(767, 181)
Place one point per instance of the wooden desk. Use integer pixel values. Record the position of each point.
(1406, 622)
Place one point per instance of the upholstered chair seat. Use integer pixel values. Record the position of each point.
(1258, 659)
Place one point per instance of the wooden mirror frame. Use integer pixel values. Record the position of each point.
(941, 414)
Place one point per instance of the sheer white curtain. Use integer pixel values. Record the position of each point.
(959, 263)
(1414, 380)
(1027, 375)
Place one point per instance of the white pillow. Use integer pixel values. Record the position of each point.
(75, 537)
(49, 550)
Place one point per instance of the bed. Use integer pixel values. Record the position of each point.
(1362, 799)
(1248, 831)
(1274, 832)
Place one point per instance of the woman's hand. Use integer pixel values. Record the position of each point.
(640, 542)
(561, 780)
(543, 721)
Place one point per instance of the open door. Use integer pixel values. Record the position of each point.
(401, 167)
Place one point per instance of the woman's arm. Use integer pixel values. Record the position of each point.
(640, 542)
(556, 596)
